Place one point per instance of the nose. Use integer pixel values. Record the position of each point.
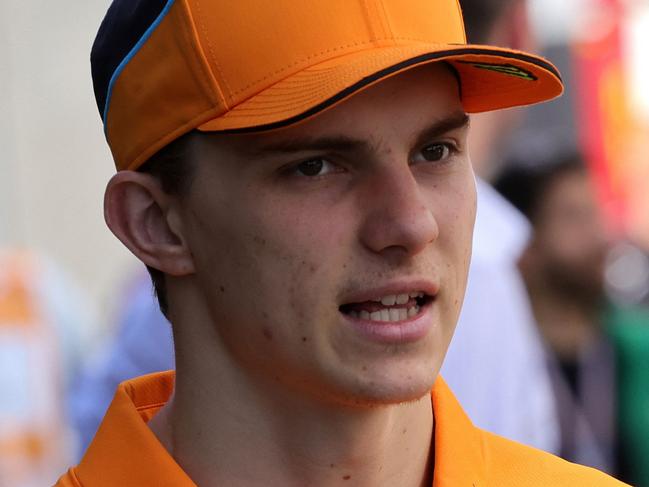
(399, 218)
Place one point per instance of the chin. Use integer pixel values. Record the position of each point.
(385, 389)
(388, 396)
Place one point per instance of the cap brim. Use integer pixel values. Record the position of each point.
(490, 79)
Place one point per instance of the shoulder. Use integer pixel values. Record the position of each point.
(511, 464)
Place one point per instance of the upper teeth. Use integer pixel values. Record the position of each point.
(393, 299)
(392, 314)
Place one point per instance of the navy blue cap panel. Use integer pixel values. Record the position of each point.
(124, 25)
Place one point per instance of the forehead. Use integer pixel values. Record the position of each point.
(402, 103)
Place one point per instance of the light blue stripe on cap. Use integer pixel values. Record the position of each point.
(131, 55)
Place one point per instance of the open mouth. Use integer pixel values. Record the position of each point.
(392, 308)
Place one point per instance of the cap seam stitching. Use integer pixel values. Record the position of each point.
(295, 97)
(210, 84)
(230, 94)
(369, 44)
(337, 48)
(333, 49)
(410, 63)
(368, 18)
(386, 20)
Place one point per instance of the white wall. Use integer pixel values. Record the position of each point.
(54, 163)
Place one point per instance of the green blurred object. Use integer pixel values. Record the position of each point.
(629, 330)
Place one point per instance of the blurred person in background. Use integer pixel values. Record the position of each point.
(495, 363)
(45, 330)
(496, 351)
(564, 267)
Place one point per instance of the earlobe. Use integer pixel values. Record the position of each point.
(140, 215)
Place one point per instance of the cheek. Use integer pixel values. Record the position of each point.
(305, 254)
(456, 210)
(267, 266)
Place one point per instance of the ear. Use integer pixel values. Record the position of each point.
(145, 219)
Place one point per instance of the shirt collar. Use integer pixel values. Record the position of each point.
(459, 459)
(126, 452)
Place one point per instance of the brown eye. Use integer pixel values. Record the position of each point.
(311, 168)
(435, 152)
(315, 167)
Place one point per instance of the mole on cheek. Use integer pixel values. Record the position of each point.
(267, 333)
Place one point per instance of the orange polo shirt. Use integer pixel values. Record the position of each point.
(126, 453)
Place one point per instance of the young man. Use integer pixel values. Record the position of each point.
(496, 351)
(309, 241)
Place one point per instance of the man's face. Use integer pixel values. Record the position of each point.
(571, 242)
(332, 255)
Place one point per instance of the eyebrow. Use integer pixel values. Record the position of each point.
(456, 121)
(343, 143)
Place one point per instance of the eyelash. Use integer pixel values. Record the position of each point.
(452, 148)
(293, 168)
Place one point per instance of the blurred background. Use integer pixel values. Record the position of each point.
(77, 314)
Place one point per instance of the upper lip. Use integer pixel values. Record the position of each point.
(425, 286)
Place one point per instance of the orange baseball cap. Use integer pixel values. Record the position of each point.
(162, 68)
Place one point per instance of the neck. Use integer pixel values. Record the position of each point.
(224, 427)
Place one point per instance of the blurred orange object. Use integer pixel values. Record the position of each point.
(32, 427)
(614, 138)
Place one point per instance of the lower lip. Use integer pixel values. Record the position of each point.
(407, 331)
